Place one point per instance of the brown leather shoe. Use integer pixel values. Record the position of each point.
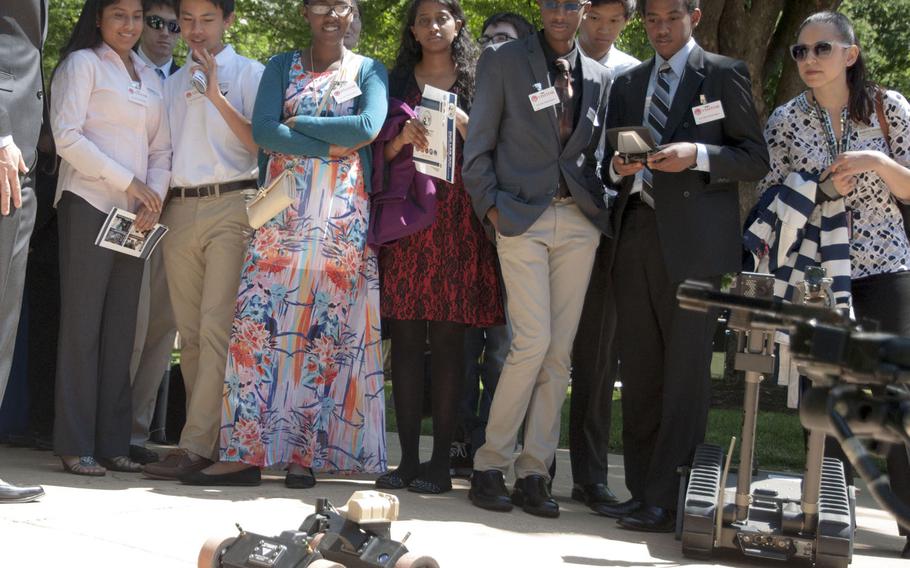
(178, 463)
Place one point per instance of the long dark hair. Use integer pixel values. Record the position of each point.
(464, 52)
(86, 33)
(860, 104)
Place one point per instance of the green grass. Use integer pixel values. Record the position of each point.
(779, 438)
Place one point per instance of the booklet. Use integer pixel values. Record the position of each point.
(437, 113)
(118, 233)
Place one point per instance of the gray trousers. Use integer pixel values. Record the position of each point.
(99, 295)
(15, 231)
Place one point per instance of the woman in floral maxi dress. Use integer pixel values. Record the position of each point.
(304, 381)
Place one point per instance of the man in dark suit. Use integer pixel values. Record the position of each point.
(677, 218)
(23, 26)
(531, 170)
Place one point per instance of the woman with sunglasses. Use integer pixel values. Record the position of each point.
(442, 278)
(111, 131)
(833, 129)
(304, 384)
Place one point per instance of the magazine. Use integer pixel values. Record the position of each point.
(118, 233)
(437, 113)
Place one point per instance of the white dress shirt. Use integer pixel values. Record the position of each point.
(109, 129)
(205, 149)
(616, 61)
(165, 67)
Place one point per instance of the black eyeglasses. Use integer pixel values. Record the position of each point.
(553, 5)
(495, 39)
(341, 10)
(821, 49)
(157, 22)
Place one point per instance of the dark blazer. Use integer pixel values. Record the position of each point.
(23, 27)
(697, 212)
(512, 156)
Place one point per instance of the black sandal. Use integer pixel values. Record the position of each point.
(427, 487)
(300, 480)
(121, 463)
(394, 479)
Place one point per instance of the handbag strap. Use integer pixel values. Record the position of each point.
(882, 119)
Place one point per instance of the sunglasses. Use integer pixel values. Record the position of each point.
(822, 50)
(552, 5)
(157, 23)
(495, 39)
(341, 10)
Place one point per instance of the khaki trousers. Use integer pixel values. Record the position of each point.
(155, 331)
(203, 255)
(546, 272)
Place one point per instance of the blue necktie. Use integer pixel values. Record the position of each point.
(160, 73)
(658, 111)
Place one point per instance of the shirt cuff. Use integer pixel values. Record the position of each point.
(702, 163)
(116, 175)
(6, 140)
(614, 177)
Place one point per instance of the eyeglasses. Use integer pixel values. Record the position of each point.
(157, 23)
(822, 50)
(553, 5)
(495, 39)
(341, 10)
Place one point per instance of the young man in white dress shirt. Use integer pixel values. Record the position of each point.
(594, 360)
(155, 327)
(214, 164)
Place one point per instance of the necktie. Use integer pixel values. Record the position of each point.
(160, 73)
(566, 114)
(658, 111)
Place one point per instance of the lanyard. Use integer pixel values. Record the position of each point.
(835, 147)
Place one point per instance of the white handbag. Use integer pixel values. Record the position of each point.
(272, 199)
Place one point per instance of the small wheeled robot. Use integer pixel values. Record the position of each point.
(354, 536)
(767, 519)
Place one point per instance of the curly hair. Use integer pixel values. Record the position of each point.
(464, 50)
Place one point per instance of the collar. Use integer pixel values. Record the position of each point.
(679, 59)
(551, 57)
(603, 60)
(165, 67)
(105, 51)
(226, 54)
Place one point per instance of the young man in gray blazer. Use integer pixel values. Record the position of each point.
(530, 167)
(675, 219)
(23, 27)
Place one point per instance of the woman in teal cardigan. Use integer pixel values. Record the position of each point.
(304, 382)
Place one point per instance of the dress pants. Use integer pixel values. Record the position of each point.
(492, 345)
(546, 271)
(594, 373)
(99, 291)
(15, 232)
(155, 332)
(203, 255)
(666, 359)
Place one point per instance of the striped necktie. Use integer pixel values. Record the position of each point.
(160, 73)
(658, 111)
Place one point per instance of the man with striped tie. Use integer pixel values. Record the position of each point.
(676, 217)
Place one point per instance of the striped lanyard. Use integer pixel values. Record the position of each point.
(835, 147)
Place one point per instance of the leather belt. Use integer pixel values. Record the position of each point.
(212, 190)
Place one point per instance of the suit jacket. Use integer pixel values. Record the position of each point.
(512, 156)
(697, 212)
(23, 27)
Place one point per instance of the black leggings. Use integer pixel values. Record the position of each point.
(446, 378)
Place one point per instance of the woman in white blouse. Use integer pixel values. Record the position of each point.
(835, 128)
(109, 124)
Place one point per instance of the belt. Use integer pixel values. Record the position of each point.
(212, 190)
(636, 201)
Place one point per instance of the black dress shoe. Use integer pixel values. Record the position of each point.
(143, 455)
(488, 491)
(592, 494)
(650, 519)
(305, 480)
(618, 510)
(16, 494)
(532, 494)
(249, 477)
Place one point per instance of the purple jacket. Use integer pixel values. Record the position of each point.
(403, 200)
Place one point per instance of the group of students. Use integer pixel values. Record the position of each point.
(281, 327)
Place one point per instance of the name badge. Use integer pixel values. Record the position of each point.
(708, 112)
(347, 91)
(138, 95)
(193, 96)
(592, 116)
(544, 99)
(870, 133)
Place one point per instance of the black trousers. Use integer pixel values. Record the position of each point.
(666, 357)
(594, 373)
(99, 295)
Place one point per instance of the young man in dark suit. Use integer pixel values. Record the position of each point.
(676, 217)
(23, 27)
(530, 167)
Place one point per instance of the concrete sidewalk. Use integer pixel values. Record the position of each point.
(124, 520)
